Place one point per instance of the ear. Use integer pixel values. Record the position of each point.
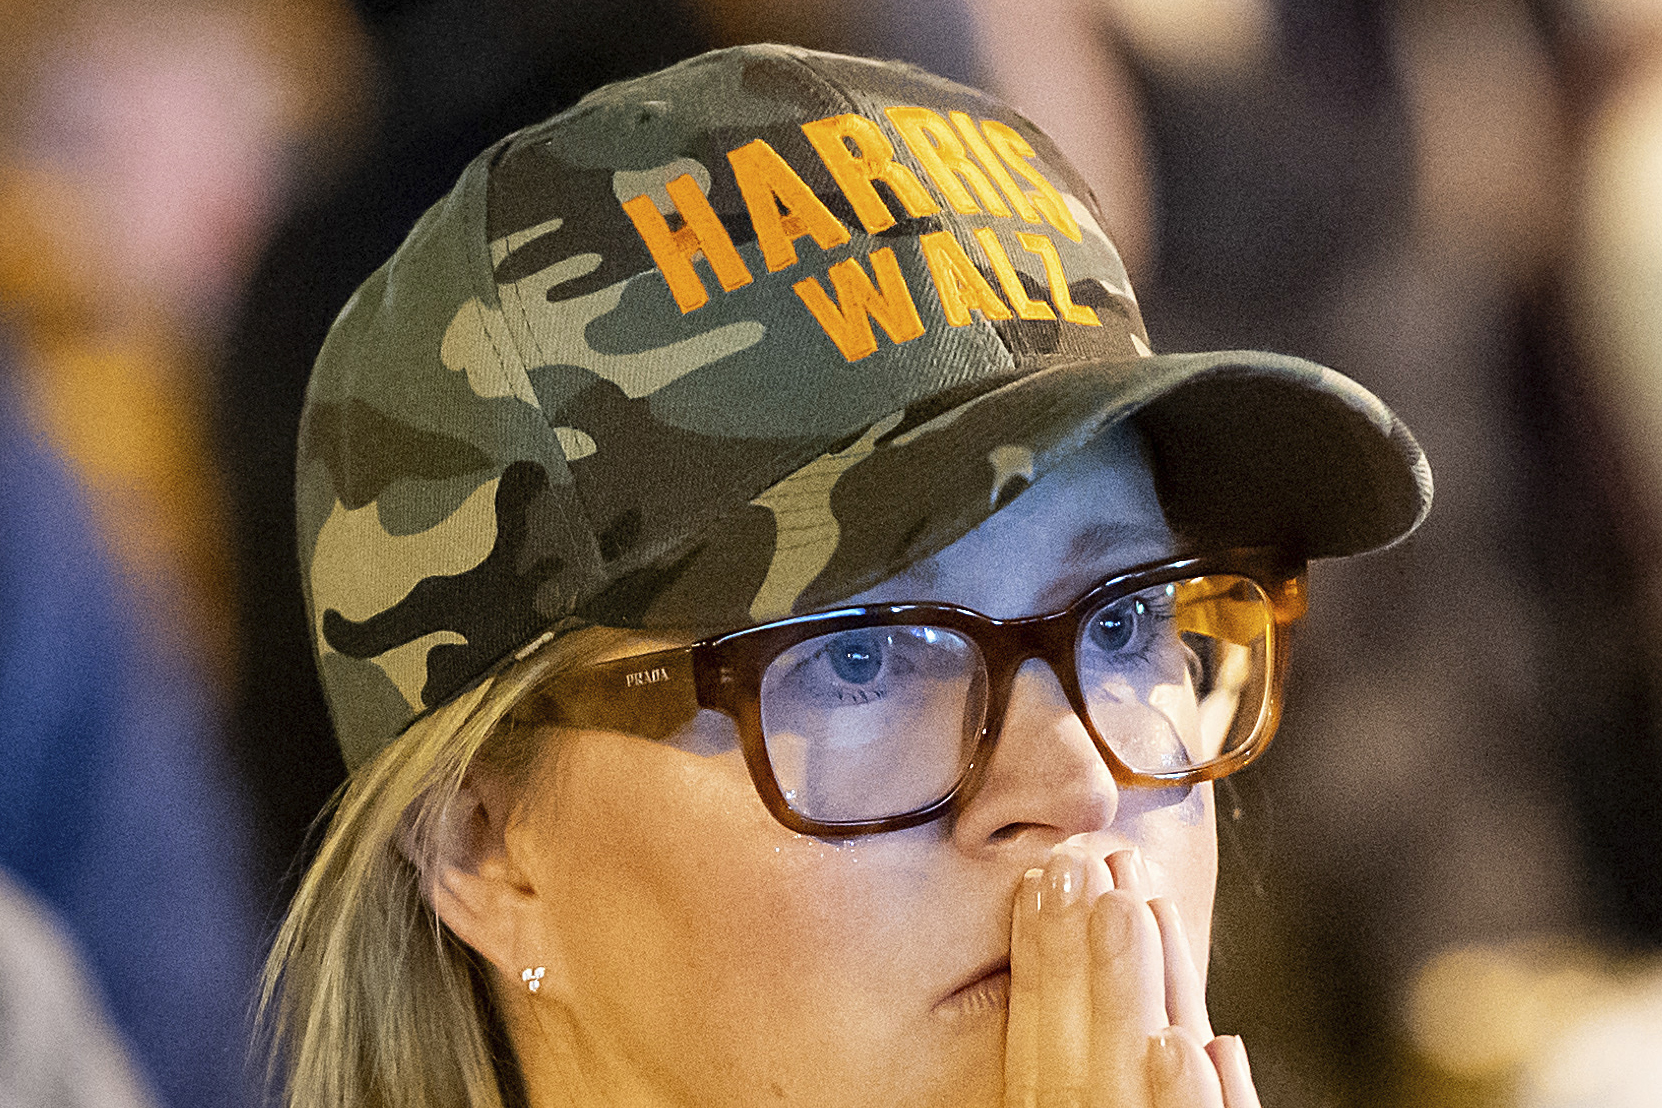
(472, 882)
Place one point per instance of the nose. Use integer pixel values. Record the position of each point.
(1045, 781)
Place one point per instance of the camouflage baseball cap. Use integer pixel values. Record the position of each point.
(744, 337)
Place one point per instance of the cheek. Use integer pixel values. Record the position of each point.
(1178, 837)
(694, 926)
(684, 840)
(649, 851)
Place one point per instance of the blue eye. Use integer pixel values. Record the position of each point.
(856, 658)
(1114, 627)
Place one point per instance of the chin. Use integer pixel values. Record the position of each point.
(970, 1071)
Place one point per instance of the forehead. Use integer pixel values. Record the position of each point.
(1093, 516)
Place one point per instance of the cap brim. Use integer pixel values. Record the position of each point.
(1247, 448)
(1251, 448)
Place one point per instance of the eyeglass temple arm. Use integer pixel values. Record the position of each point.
(1289, 598)
(650, 695)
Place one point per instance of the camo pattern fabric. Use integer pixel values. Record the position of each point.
(718, 345)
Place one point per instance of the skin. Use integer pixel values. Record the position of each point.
(695, 952)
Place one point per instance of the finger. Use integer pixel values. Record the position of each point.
(1185, 995)
(1180, 1074)
(1229, 1057)
(1021, 1036)
(1064, 1001)
(1097, 878)
(1127, 996)
(1130, 873)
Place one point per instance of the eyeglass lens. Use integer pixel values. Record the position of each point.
(1175, 676)
(879, 721)
(875, 720)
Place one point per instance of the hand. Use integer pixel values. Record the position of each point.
(1106, 1005)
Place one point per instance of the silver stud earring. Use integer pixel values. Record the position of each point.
(532, 978)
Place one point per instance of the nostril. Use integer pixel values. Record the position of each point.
(1011, 831)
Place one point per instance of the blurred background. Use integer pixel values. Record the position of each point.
(1442, 886)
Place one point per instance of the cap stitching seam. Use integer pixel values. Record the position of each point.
(585, 535)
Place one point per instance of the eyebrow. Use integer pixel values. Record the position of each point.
(1098, 550)
(1092, 545)
(1097, 541)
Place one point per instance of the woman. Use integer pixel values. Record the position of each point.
(784, 622)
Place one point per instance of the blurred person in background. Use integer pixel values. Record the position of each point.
(57, 1049)
(117, 808)
(142, 148)
(1594, 1017)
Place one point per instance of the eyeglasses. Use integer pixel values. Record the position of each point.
(884, 716)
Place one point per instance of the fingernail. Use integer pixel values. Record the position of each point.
(1167, 1060)
(1123, 865)
(1112, 928)
(1031, 893)
(1065, 879)
(1098, 878)
(1228, 1053)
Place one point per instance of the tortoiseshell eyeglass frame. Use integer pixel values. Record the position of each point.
(658, 694)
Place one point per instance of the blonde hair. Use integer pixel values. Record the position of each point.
(367, 998)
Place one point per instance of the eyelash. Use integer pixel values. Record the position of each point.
(862, 696)
(1161, 611)
(843, 692)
